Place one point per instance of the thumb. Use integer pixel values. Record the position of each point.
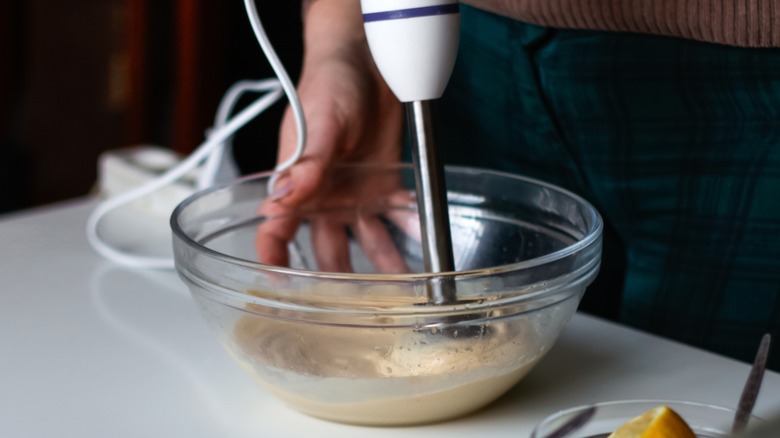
(301, 181)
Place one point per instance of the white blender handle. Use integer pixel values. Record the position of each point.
(414, 44)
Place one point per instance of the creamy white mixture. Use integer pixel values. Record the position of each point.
(384, 376)
(460, 399)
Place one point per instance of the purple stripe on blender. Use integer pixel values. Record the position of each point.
(399, 14)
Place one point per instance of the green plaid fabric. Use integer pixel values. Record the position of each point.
(676, 142)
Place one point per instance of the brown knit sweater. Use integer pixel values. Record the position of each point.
(748, 23)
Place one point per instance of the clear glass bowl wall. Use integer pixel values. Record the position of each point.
(339, 344)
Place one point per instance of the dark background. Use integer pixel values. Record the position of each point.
(86, 76)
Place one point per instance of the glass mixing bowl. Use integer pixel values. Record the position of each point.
(350, 328)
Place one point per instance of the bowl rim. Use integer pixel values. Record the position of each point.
(592, 236)
(649, 402)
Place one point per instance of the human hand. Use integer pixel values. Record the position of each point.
(367, 204)
(352, 116)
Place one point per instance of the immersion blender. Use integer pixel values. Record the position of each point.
(414, 44)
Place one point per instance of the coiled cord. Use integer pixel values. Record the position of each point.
(210, 153)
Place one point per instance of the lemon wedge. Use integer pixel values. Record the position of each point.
(660, 422)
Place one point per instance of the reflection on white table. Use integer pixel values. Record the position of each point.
(90, 349)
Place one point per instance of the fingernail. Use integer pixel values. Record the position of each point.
(281, 191)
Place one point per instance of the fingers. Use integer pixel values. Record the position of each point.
(378, 245)
(331, 245)
(406, 217)
(324, 136)
(330, 241)
(274, 233)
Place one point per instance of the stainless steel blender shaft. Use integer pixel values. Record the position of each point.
(431, 200)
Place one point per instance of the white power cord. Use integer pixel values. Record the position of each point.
(211, 151)
(284, 79)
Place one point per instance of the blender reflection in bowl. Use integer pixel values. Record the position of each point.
(349, 331)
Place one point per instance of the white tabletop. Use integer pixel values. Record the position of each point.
(90, 349)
